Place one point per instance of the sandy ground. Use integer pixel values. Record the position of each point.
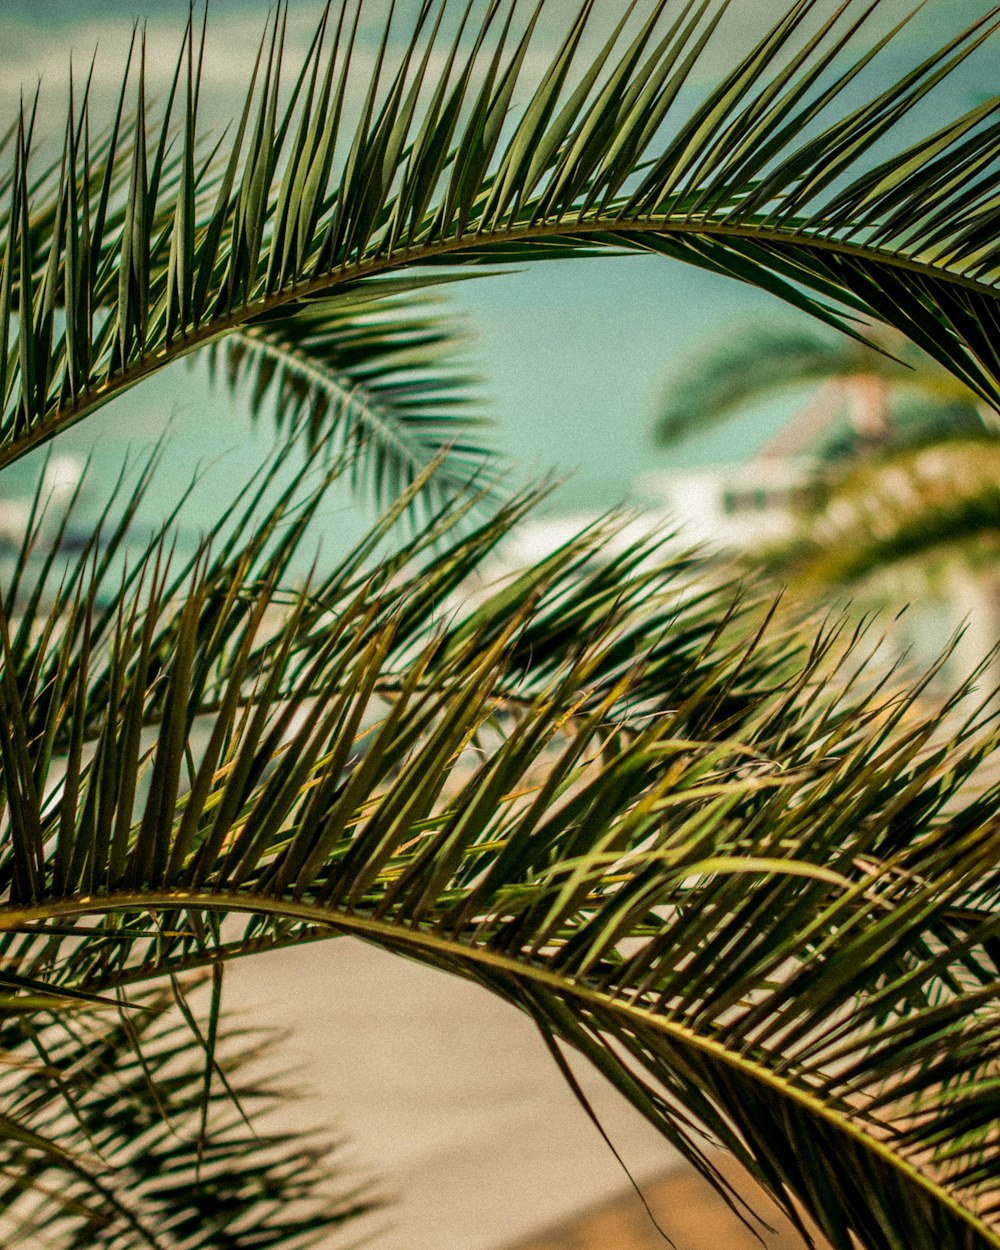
(689, 1211)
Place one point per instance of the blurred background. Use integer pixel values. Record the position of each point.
(851, 476)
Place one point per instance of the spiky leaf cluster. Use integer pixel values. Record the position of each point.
(752, 880)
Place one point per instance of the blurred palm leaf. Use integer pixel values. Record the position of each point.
(938, 499)
(913, 395)
(903, 457)
(370, 369)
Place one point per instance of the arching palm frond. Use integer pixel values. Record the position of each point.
(761, 362)
(750, 885)
(153, 1159)
(65, 611)
(762, 181)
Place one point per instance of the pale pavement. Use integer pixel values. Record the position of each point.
(447, 1095)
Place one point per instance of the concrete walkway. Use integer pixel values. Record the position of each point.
(447, 1095)
(452, 1104)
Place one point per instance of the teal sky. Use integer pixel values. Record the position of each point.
(574, 354)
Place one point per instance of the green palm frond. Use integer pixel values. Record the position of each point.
(377, 369)
(149, 1162)
(65, 612)
(750, 366)
(748, 878)
(751, 887)
(763, 181)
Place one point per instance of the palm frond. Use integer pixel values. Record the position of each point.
(65, 612)
(762, 362)
(937, 498)
(758, 363)
(751, 881)
(123, 1094)
(753, 893)
(763, 181)
(378, 370)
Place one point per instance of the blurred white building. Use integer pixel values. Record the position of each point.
(733, 507)
(727, 507)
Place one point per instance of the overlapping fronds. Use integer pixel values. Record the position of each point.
(367, 371)
(150, 1156)
(902, 456)
(123, 597)
(748, 882)
(752, 883)
(434, 147)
